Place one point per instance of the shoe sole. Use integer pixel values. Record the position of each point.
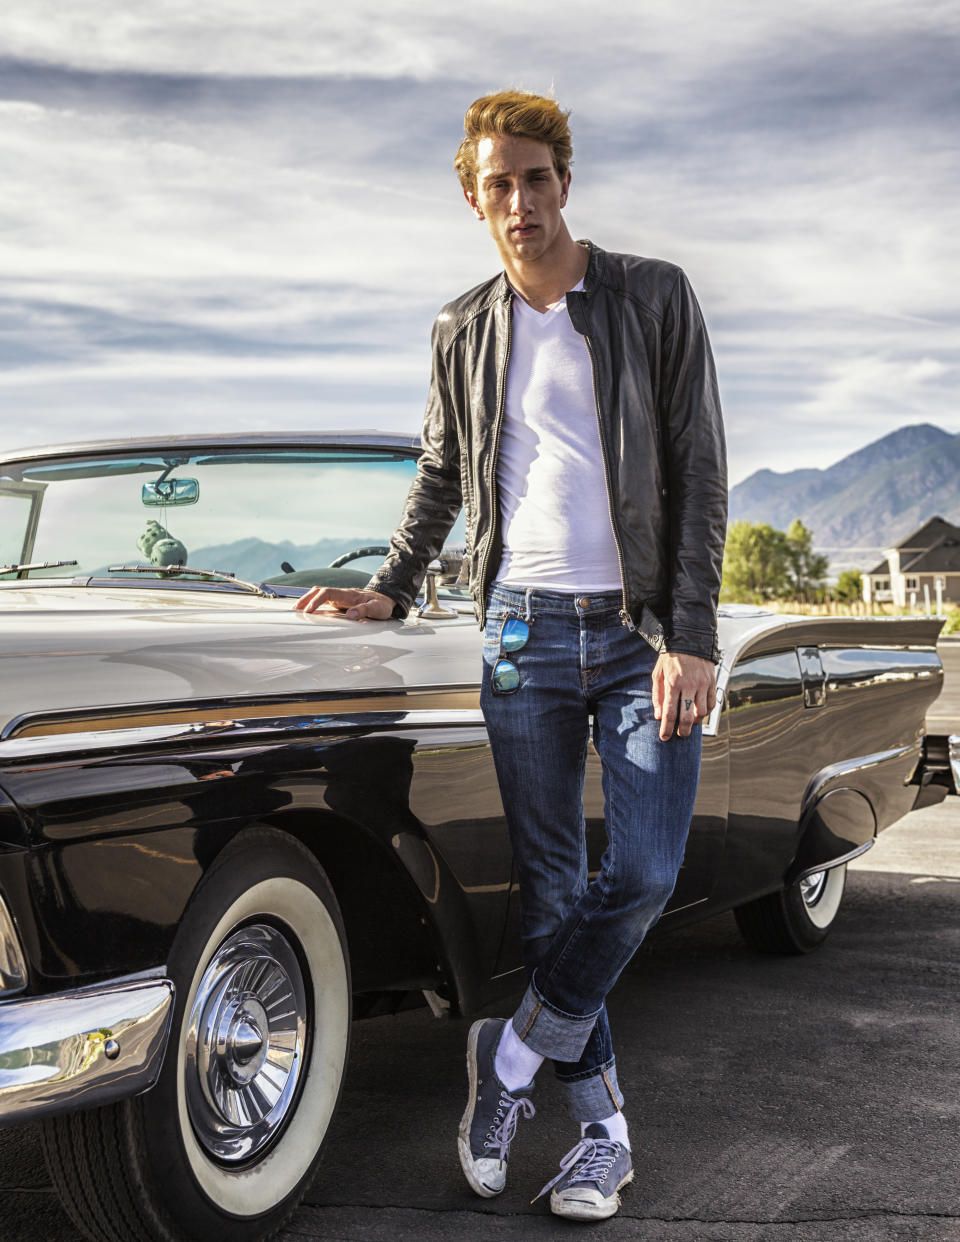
(466, 1121)
(574, 1209)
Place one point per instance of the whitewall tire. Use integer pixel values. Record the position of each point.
(224, 1145)
(798, 918)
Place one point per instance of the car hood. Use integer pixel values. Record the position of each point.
(70, 651)
(66, 650)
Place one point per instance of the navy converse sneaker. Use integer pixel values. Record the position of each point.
(490, 1120)
(590, 1178)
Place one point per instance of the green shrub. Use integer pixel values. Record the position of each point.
(848, 586)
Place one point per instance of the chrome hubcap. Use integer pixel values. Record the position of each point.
(245, 1043)
(812, 886)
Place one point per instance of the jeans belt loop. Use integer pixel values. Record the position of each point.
(527, 616)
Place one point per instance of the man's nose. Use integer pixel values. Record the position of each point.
(519, 200)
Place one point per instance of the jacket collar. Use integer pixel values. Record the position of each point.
(503, 292)
(595, 266)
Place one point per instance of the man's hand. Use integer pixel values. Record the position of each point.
(684, 692)
(354, 604)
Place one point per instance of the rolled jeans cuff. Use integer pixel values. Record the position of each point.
(595, 1096)
(548, 1030)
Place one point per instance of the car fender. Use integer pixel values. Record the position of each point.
(837, 826)
(134, 831)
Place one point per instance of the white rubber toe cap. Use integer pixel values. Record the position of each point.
(486, 1177)
(583, 1204)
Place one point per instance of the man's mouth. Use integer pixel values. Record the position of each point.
(523, 230)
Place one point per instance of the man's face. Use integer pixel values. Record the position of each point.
(519, 194)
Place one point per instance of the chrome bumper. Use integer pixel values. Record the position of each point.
(83, 1048)
(953, 749)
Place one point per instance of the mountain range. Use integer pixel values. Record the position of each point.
(256, 559)
(871, 499)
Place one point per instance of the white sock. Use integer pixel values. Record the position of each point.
(514, 1062)
(616, 1127)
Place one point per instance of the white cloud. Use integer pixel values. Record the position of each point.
(146, 367)
(865, 386)
(223, 37)
(371, 38)
(271, 235)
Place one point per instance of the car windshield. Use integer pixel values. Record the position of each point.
(262, 515)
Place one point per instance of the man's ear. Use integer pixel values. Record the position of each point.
(474, 205)
(564, 188)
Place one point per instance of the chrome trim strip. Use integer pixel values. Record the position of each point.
(54, 745)
(82, 1049)
(679, 909)
(953, 749)
(834, 862)
(58, 745)
(247, 707)
(13, 965)
(260, 440)
(850, 767)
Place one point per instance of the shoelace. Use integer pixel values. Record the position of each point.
(590, 1161)
(502, 1135)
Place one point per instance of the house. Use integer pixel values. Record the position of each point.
(924, 565)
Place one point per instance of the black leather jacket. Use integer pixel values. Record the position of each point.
(661, 436)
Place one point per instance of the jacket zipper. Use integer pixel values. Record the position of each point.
(494, 503)
(624, 614)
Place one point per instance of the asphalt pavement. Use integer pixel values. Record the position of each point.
(811, 1099)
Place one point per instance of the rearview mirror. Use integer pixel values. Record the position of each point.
(171, 492)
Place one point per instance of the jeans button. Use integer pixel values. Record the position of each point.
(584, 601)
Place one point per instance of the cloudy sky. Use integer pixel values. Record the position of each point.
(244, 215)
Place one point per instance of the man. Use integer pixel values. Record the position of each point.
(573, 412)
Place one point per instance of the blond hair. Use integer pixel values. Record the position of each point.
(519, 115)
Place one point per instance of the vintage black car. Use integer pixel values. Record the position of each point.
(227, 829)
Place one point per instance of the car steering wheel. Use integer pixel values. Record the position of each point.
(355, 553)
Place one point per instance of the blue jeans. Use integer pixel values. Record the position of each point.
(578, 934)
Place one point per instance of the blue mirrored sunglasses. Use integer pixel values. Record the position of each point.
(505, 677)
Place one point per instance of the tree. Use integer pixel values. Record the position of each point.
(761, 563)
(756, 563)
(807, 568)
(849, 586)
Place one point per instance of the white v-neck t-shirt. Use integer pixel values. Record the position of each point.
(554, 510)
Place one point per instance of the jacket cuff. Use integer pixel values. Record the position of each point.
(695, 643)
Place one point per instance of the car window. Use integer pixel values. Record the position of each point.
(19, 506)
(255, 514)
